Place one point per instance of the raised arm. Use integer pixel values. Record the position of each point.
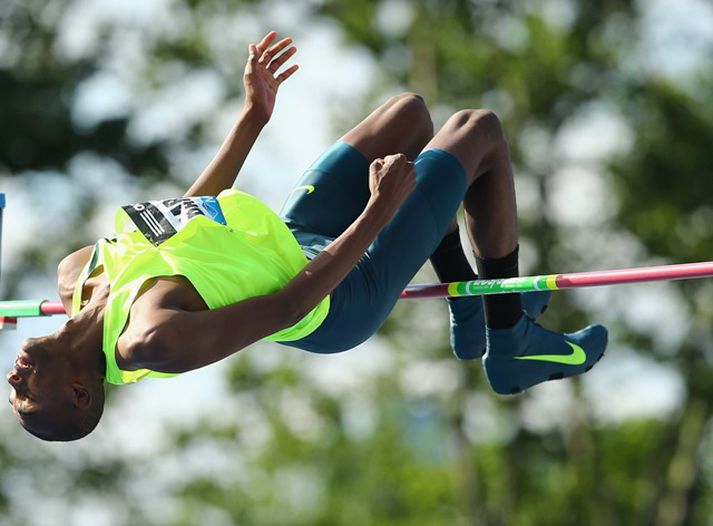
(261, 83)
(177, 341)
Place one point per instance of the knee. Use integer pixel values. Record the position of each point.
(479, 121)
(413, 109)
(408, 98)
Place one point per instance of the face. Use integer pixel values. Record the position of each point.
(38, 379)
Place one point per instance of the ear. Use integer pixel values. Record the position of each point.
(81, 396)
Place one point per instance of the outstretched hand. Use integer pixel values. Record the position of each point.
(261, 80)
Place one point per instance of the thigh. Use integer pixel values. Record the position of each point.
(471, 136)
(401, 125)
(331, 194)
(406, 243)
(364, 299)
(335, 189)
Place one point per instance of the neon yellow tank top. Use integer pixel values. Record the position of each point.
(230, 248)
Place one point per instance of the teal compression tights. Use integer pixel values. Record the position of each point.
(330, 196)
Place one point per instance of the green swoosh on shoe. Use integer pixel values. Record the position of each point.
(576, 357)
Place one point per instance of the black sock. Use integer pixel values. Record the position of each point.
(449, 261)
(502, 311)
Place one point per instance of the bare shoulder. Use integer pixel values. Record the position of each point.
(69, 269)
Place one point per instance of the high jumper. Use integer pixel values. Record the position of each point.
(186, 282)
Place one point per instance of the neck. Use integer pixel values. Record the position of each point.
(82, 335)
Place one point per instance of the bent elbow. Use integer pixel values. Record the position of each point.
(293, 310)
(294, 314)
(146, 351)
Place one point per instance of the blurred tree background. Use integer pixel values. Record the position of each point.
(610, 124)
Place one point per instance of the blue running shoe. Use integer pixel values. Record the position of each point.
(468, 321)
(528, 354)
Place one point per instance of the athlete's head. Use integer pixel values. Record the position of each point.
(56, 395)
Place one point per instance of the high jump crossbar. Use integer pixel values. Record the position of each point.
(576, 280)
(10, 310)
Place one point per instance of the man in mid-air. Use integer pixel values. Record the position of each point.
(187, 282)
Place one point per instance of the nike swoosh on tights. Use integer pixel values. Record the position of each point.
(308, 187)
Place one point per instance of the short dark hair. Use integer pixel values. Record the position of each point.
(73, 424)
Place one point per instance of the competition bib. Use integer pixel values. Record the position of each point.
(159, 220)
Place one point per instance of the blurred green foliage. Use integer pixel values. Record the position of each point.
(380, 453)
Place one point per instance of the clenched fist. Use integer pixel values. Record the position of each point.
(391, 180)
